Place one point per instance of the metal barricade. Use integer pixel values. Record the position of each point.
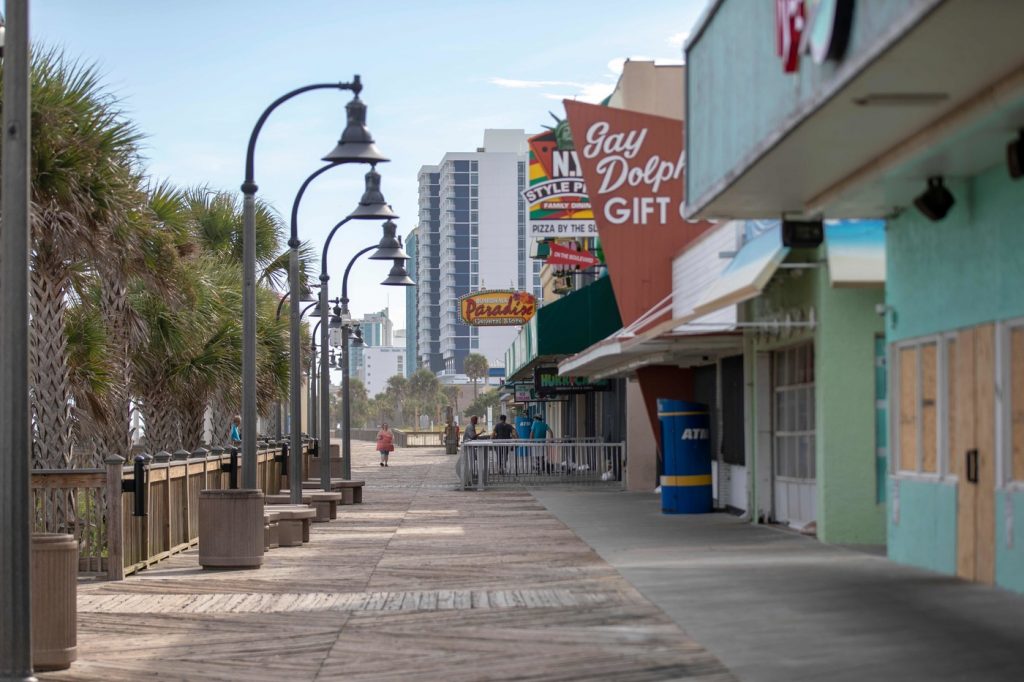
(578, 462)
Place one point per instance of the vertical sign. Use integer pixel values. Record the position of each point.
(557, 195)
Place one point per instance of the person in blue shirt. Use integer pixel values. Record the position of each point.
(236, 434)
(540, 429)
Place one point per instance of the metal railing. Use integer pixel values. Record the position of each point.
(578, 462)
(98, 507)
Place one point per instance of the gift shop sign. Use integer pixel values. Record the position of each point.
(497, 308)
(634, 165)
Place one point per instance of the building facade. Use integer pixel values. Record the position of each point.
(411, 303)
(380, 363)
(471, 236)
(377, 330)
(929, 97)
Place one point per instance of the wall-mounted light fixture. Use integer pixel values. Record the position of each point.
(1015, 156)
(934, 203)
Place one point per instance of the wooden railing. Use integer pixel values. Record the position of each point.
(418, 439)
(95, 507)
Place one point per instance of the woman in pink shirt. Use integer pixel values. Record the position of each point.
(385, 443)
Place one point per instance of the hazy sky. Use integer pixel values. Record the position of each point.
(196, 75)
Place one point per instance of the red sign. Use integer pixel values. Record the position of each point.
(790, 22)
(560, 254)
(497, 308)
(634, 167)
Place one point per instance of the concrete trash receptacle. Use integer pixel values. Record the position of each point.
(231, 531)
(54, 598)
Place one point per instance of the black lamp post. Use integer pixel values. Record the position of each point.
(396, 277)
(307, 297)
(355, 146)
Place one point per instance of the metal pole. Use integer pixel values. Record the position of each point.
(346, 411)
(15, 420)
(295, 494)
(325, 388)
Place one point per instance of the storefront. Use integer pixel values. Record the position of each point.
(909, 112)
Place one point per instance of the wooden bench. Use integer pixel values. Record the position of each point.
(293, 524)
(271, 530)
(352, 491)
(326, 504)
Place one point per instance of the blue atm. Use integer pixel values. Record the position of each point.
(686, 443)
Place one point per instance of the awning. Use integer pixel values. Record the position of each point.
(564, 327)
(855, 250)
(747, 274)
(617, 357)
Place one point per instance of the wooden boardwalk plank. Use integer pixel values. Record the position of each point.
(421, 582)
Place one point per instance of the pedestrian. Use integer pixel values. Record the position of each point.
(471, 431)
(385, 443)
(540, 430)
(236, 430)
(503, 431)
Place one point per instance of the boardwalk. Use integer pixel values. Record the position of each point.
(422, 582)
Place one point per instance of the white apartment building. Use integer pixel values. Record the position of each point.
(471, 236)
(380, 363)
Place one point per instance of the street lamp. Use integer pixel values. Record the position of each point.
(372, 206)
(355, 146)
(389, 248)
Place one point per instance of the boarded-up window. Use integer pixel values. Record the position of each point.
(1017, 402)
(918, 408)
(908, 409)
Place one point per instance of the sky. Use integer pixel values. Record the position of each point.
(195, 76)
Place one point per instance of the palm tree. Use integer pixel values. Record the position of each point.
(85, 185)
(452, 393)
(475, 366)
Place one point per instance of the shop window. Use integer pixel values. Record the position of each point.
(920, 372)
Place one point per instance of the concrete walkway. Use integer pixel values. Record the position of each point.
(773, 605)
(421, 582)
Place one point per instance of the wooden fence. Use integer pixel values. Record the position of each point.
(93, 505)
(405, 438)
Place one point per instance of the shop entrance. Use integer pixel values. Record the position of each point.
(794, 480)
(971, 422)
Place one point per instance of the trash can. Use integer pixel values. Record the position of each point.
(54, 599)
(686, 444)
(231, 528)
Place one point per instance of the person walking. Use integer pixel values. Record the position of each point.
(540, 430)
(236, 430)
(385, 443)
(503, 431)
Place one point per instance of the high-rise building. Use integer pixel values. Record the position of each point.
(411, 295)
(377, 330)
(471, 236)
(380, 363)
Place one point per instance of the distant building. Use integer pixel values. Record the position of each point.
(380, 363)
(472, 236)
(377, 330)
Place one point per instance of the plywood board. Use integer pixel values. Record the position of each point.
(929, 423)
(964, 418)
(1017, 404)
(985, 435)
(908, 409)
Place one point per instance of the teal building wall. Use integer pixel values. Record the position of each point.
(922, 529)
(848, 508)
(964, 270)
(739, 99)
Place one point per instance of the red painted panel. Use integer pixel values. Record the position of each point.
(663, 382)
(634, 168)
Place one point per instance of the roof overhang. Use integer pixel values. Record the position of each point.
(943, 96)
(622, 356)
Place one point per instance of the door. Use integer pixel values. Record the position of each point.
(972, 359)
(795, 478)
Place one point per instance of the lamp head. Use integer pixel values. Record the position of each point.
(390, 246)
(357, 337)
(936, 201)
(372, 205)
(307, 295)
(356, 144)
(398, 277)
